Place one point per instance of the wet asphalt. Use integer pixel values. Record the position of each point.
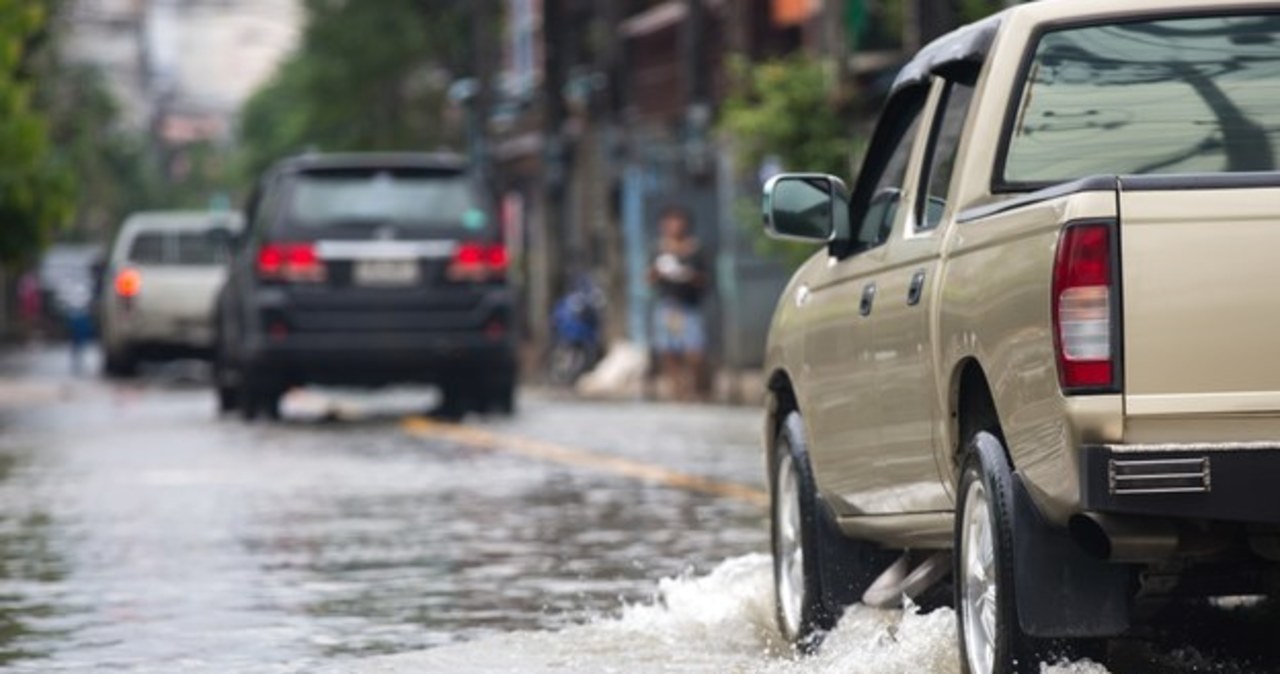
(140, 531)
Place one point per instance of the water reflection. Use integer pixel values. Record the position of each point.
(34, 614)
(490, 546)
(1176, 96)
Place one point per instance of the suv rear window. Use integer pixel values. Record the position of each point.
(1175, 96)
(415, 198)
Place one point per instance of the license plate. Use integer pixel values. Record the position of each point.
(386, 272)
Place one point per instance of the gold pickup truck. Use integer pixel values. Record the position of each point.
(1038, 357)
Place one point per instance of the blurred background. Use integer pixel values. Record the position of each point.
(585, 118)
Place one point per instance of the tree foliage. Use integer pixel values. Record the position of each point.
(972, 10)
(113, 169)
(366, 76)
(36, 190)
(782, 112)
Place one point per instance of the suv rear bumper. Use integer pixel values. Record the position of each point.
(1235, 482)
(375, 359)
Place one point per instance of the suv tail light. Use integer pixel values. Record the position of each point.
(294, 262)
(479, 262)
(1085, 328)
(128, 283)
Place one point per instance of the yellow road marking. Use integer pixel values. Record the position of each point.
(581, 458)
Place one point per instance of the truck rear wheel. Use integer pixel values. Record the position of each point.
(817, 571)
(991, 638)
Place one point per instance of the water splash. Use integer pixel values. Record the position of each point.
(719, 622)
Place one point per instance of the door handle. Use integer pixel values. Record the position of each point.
(916, 289)
(868, 299)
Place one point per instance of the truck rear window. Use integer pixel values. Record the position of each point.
(420, 199)
(1175, 96)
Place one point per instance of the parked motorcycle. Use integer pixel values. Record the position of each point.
(577, 335)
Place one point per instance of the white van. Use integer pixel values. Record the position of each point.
(163, 274)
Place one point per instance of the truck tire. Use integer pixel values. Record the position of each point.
(991, 638)
(817, 570)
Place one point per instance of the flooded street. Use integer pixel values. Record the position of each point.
(139, 532)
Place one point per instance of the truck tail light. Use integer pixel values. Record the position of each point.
(1084, 307)
(128, 283)
(293, 262)
(479, 262)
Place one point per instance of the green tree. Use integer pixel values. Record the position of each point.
(113, 170)
(783, 110)
(972, 10)
(36, 189)
(366, 76)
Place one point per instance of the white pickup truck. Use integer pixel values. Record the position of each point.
(1039, 352)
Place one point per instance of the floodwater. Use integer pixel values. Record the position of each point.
(140, 533)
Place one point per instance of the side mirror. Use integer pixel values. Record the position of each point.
(806, 207)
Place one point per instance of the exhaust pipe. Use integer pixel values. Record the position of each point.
(1124, 539)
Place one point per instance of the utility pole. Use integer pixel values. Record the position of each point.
(548, 281)
(700, 163)
(608, 107)
(484, 45)
(697, 78)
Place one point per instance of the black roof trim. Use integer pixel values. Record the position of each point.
(1100, 183)
(963, 48)
(1199, 181)
(445, 161)
(1128, 183)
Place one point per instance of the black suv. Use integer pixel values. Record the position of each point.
(367, 269)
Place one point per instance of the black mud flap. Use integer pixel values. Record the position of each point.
(1061, 590)
(846, 567)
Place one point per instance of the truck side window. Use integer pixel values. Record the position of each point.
(944, 142)
(887, 166)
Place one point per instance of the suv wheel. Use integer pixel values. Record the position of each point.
(500, 397)
(228, 392)
(817, 570)
(119, 363)
(456, 399)
(991, 639)
(228, 399)
(258, 398)
(247, 396)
